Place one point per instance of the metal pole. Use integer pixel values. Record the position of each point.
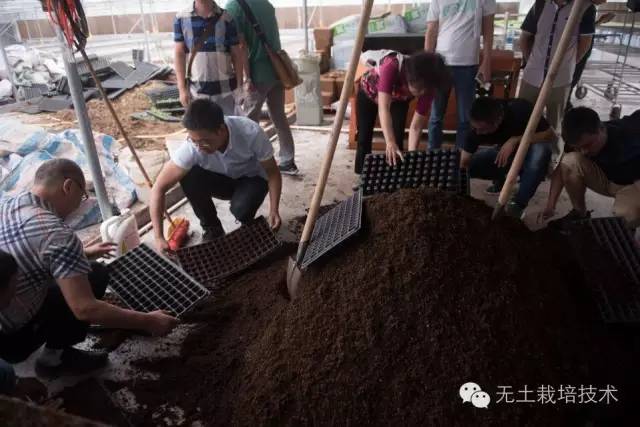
(75, 87)
(113, 19)
(506, 29)
(306, 26)
(17, 30)
(147, 52)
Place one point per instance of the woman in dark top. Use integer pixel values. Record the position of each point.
(386, 90)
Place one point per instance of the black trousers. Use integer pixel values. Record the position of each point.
(55, 323)
(367, 114)
(246, 195)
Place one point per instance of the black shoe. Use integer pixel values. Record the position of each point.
(73, 362)
(212, 233)
(566, 221)
(289, 168)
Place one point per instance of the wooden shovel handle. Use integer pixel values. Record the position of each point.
(577, 10)
(337, 126)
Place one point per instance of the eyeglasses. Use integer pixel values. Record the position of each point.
(200, 144)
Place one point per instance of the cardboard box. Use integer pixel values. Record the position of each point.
(339, 77)
(327, 98)
(323, 38)
(325, 60)
(327, 83)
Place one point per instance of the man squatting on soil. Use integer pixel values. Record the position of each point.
(501, 123)
(229, 158)
(604, 157)
(50, 292)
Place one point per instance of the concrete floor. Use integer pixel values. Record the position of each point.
(297, 192)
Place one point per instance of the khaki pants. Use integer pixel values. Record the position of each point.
(555, 106)
(580, 173)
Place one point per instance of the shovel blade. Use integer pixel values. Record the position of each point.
(294, 273)
(498, 211)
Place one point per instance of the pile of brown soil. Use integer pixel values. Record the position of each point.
(430, 296)
(133, 101)
(15, 412)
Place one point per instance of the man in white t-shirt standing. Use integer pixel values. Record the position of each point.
(454, 28)
(229, 158)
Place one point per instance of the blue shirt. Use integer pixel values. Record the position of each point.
(212, 71)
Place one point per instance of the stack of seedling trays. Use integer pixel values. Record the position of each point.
(438, 169)
(610, 259)
(165, 104)
(213, 261)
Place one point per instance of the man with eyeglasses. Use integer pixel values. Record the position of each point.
(604, 157)
(56, 290)
(229, 158)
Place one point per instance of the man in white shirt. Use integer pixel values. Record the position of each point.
(454, 28)
(229, 158)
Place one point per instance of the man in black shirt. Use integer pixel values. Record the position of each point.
(604, 157)
(501, 124)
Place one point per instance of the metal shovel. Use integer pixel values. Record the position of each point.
(294, 270)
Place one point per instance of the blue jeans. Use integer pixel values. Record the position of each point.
(533, 170)
(7, 378)
(463, 79)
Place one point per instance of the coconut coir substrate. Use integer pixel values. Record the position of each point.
(429, 296)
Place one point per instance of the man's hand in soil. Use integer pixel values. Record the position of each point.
(506, 151)
(160, 323)
(393, 153)
(274, 220)
(100, 250)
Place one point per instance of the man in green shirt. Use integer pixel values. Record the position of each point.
(262, 83)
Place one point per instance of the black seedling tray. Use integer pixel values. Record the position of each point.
(618, 303)
(438, 169)
(121, 69)
(334, 227)
(163, 93)
(146, 281)
(100, 65)
(210, 262)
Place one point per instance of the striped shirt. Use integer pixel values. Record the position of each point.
(212, 72)
(45, 249)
